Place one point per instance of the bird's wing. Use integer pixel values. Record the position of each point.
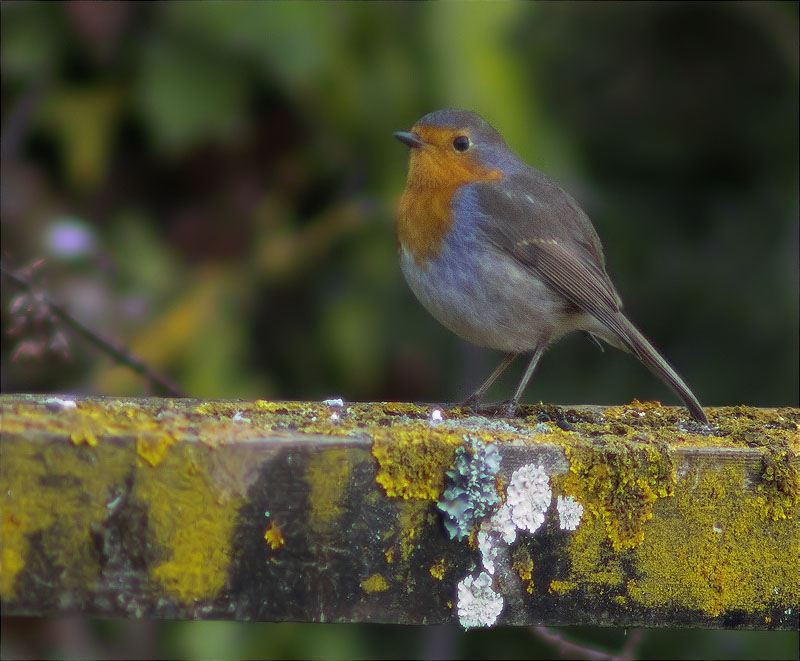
(532, 219)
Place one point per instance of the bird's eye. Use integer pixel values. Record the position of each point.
(461, 143)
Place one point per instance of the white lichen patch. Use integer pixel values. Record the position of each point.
(478, 604)
(528, 497)
(495, 534)
(570, 512)
(501, 525)
(56, 404)
(490, 551)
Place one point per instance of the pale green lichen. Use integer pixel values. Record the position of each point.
(471, 491)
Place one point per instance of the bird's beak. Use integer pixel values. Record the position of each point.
(409, 139)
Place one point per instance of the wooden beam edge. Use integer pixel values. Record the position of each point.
(628, 516)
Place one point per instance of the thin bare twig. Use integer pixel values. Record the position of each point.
(569, 649)
(120, 354)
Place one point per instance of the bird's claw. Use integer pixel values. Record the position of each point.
(506, 408)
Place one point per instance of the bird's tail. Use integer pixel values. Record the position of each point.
(655, 362)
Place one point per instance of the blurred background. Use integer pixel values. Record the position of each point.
(213, 186)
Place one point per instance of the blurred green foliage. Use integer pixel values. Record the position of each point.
(234, 167)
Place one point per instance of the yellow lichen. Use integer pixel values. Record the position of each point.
(152, 446)
(188, 523)
(618, 481)
(412, 461)
(297, 408)
(404, 408)
(779, 489)
(759, 427)
(327, 475)
(213, 432)
(620, 492)
(636, 409)
(57, 490)
(83, 435)
(561, 587)
(437, 570)
(522, 563)
(375, 583)
(274, 536)
(698, 551)
(206, 408)
(594, 564)
(712, 561)
(410, 522)
(13, 551)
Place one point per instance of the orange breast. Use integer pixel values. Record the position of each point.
(435, 172)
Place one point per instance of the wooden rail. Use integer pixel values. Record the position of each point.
(391, 512)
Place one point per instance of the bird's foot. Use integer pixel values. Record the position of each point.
(552, 413)
(472, 402)
(506, 408)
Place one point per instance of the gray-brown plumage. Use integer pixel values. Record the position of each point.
(517, 264)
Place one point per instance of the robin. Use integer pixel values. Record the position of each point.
(505, 258)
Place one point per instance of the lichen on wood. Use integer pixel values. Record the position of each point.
(327, 511)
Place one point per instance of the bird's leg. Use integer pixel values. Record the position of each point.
(475, 398)
(513, 406)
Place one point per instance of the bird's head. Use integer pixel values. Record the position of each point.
(454, 147)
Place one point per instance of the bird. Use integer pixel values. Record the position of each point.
(504, 257)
